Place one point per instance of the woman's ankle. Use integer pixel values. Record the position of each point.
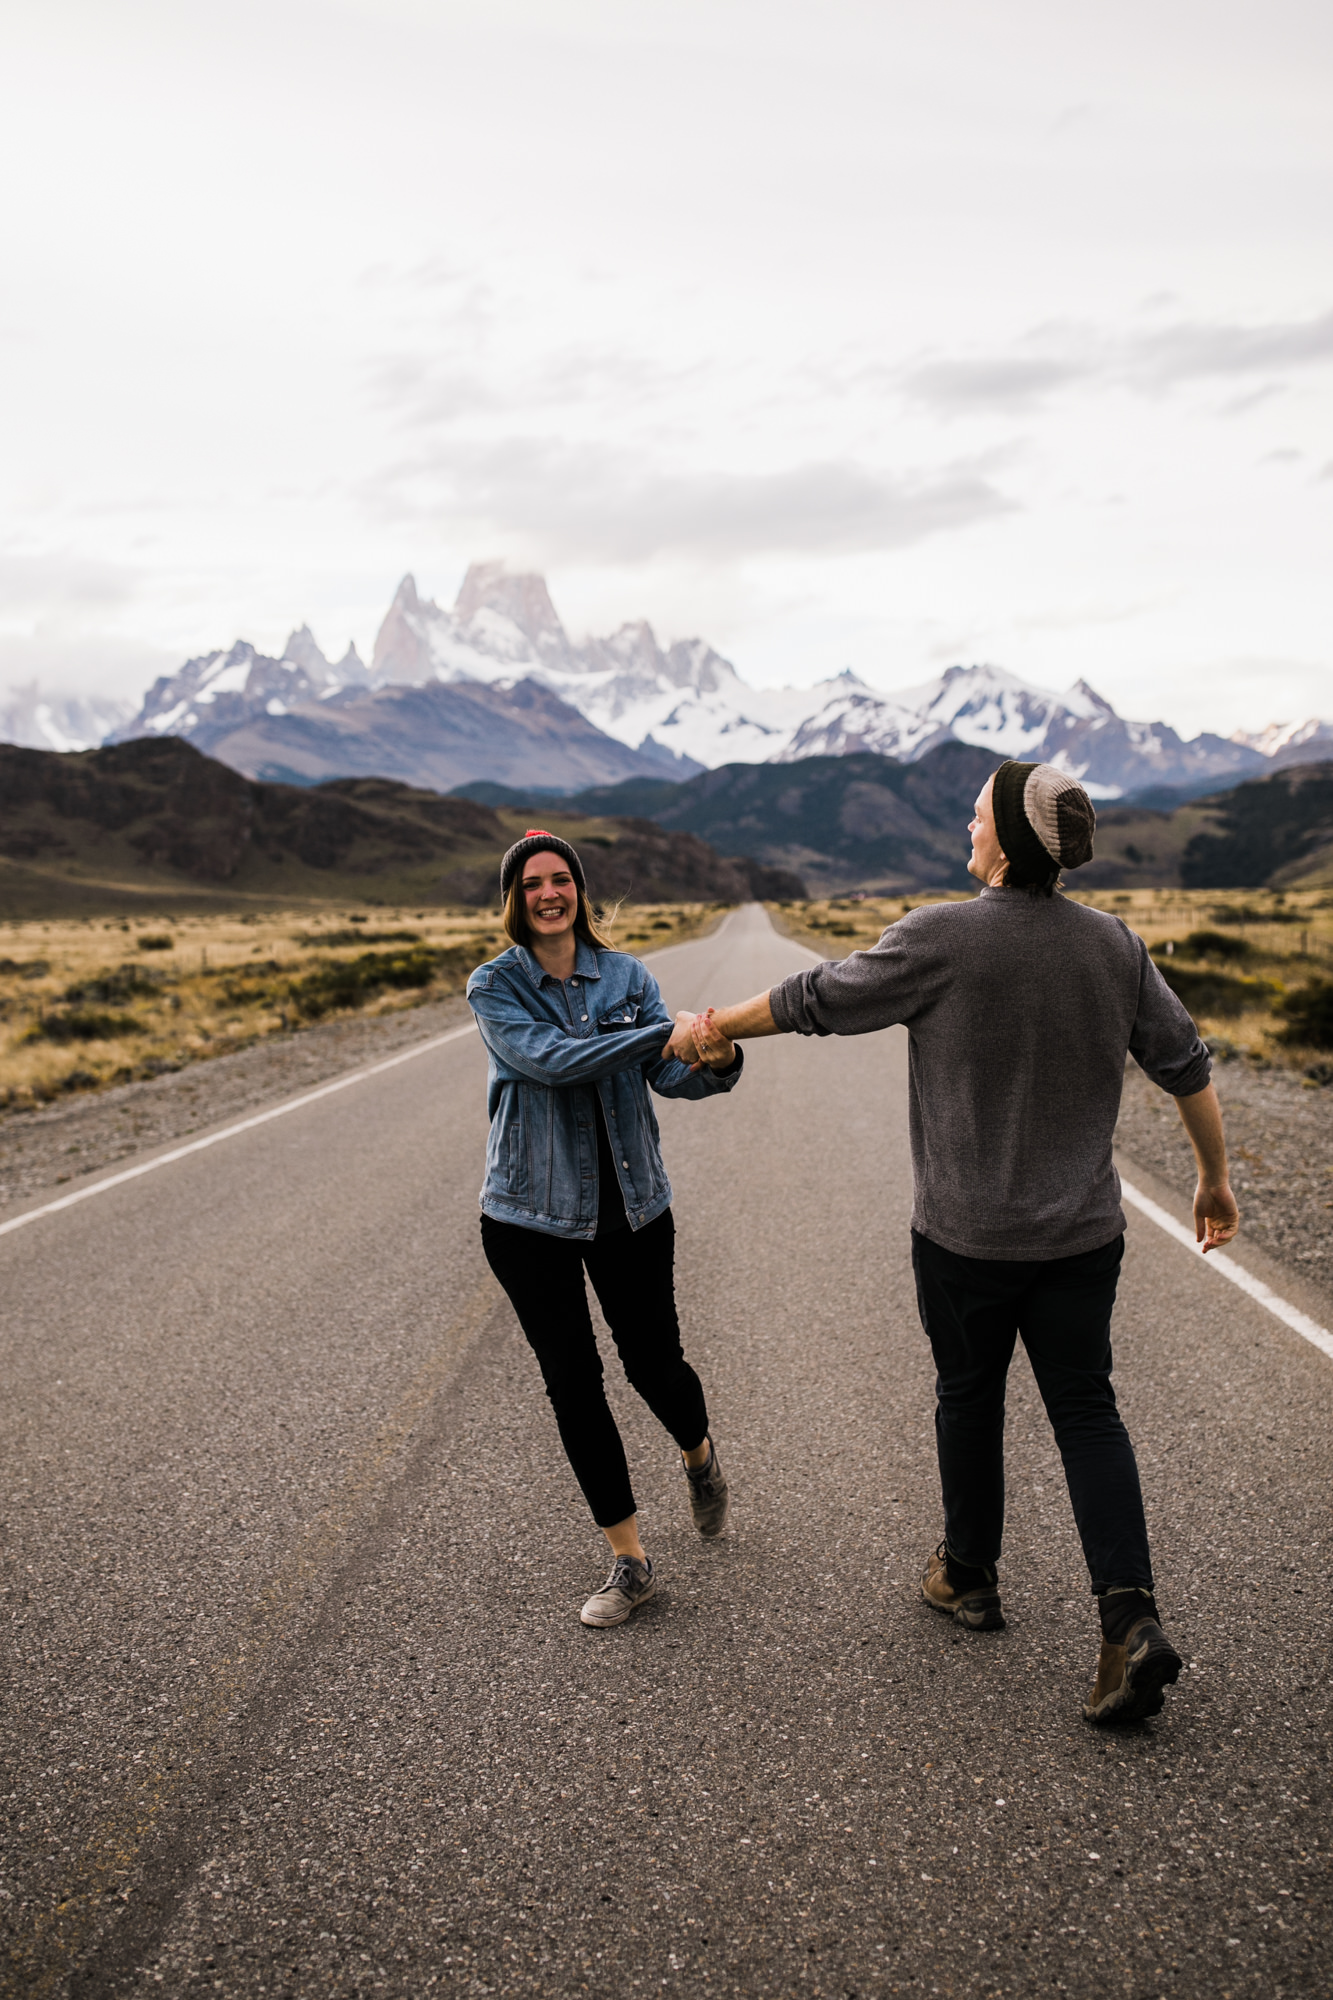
(624, 1539)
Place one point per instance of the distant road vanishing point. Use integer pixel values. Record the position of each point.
(297, 1700)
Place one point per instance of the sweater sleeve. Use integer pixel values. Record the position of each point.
(1165, 1042)
(852, 996)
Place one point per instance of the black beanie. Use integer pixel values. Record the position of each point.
(537, 841)
(1044, 821)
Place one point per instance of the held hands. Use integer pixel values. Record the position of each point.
(696, 1041)
(713, 1046)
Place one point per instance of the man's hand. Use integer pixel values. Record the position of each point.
(1216, 1216)
(715, 1049)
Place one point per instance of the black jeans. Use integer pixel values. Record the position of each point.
(632, 1272)
(972, 1308)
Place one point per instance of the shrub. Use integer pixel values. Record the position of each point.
(1214, 992)
(1309, 1012)
(1246, 913)
(82, 1026)
(351, 982)
(123, 982)
(157, 942)
(1216, 944)
(1204, 944)
(331, 939)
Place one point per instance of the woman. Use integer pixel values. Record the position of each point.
(574, 1177)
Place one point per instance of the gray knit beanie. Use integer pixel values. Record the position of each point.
(537, 841)
(1044, 821)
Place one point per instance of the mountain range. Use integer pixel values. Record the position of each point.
(495, 690)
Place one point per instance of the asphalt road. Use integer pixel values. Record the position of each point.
(297, 1700)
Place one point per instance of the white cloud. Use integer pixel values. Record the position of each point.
(1053, 360)
(558, 502)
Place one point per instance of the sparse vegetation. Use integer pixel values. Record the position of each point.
(76, 1012)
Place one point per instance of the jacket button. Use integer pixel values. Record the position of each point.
(625, 1165)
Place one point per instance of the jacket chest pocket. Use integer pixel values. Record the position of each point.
(624, 1016)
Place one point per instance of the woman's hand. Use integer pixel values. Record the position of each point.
(713, 1046)
(683, 1045)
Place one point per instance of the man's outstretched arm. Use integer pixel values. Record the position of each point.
(745, 1021)
(1216, 1216)
(706, 1036)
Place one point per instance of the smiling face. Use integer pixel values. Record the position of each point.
(550, 896)
(988, 857)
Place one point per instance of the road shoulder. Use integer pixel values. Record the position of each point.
(1305, 1293)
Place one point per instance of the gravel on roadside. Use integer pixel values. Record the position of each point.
(40, 1150)
(1280, 1140)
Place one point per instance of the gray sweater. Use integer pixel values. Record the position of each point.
(1019, 1010)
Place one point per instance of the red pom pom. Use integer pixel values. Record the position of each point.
(534, 830)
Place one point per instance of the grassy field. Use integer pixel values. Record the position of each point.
(1254, 967)
(89, 1001)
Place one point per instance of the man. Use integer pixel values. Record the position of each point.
(1020, 1008)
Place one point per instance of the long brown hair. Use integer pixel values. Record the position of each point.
(588, 922)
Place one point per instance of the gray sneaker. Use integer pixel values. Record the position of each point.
(629, 1585)
(709, 1495)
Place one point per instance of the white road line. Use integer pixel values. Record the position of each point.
(1225, 1267)
(242, 1125)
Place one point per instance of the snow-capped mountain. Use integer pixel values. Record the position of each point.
(690, 700)
(211, 694)
(1079, 731)
(677, 709)
(1305, 742)
(38, 721)
(686, 700)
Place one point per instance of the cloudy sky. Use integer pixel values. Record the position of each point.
(844, 334)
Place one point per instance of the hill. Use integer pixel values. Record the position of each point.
(869, 823)
(858, 821)
(155, 823)
(1274, 831)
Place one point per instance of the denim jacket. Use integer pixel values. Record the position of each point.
(552, 1043)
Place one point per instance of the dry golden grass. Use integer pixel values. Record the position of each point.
(1290, 940)
(86, 1002)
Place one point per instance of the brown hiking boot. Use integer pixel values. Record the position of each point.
(978, 1609)
(1130, 1678)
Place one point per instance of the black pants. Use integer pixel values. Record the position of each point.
(972, 1309)
(632, 1273)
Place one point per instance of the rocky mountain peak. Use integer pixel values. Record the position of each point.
(521, 597)
(402, 650)
(303, 651)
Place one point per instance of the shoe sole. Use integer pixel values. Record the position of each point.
(1155, 1666)
(979, 1612)
(606, 1624)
